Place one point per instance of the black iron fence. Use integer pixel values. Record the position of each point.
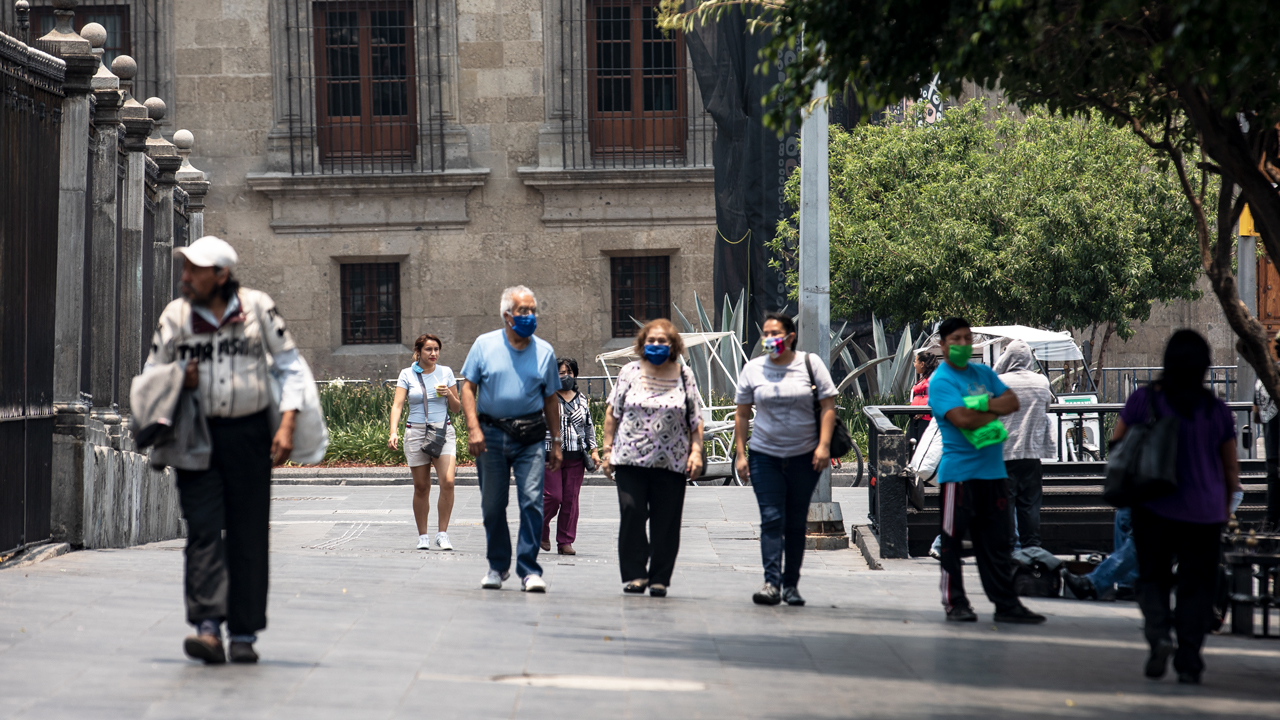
(1116, 384)
(30, 127)
(625, 91)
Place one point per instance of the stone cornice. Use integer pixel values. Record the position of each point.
(353, 203)
(633, 197)
(31, 65)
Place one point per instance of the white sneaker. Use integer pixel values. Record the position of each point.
(534, 583)
(493, 581)
(442, 541)
(424, 543)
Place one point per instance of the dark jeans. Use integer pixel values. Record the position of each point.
(655, 496)
(784, 487)
(1194, 546)
(980, 508)
(226, 577)
(1271, 445)
(503, 456)
(1026, 486)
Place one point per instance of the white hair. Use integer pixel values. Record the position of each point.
(509, 297)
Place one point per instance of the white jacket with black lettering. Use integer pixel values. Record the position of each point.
(233, 353)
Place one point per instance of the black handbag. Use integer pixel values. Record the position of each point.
(525, 430)
(433, 443)
(1144, 465)
(841, 441)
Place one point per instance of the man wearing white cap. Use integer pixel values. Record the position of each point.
(223, 333)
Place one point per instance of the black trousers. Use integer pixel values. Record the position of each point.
(655, 496)
(1026, 487)
(226, 576)
(1271, 444)
(1160, 541)
(980, 508)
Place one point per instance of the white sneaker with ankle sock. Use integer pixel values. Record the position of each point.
(442, 541)
(424, 542)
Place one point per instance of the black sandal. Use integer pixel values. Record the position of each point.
(635, 587)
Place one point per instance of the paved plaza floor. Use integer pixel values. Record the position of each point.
(364, 626)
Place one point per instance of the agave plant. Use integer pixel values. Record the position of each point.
(893, 370)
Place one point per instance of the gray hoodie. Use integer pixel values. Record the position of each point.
(1030, 434)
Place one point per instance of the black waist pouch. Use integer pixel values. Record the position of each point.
(525, 430)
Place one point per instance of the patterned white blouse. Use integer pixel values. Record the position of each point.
(656, 418)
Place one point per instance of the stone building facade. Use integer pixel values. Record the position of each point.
(499, 181)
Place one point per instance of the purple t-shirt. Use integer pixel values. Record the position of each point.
(1202, 495)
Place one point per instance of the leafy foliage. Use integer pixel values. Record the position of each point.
(1044, 221)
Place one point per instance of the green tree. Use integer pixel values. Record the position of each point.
(1182, 75)
(1044, 221)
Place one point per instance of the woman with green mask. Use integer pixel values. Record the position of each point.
(967, 399)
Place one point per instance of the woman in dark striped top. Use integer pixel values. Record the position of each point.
(561, 487)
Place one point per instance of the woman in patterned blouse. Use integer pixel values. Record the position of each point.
(653, 441)
(562, 486)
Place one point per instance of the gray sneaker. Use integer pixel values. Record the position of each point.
(791, 596)
(767, 595)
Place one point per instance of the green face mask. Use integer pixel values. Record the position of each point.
(959, 354)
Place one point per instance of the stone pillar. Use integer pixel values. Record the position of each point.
(102, 259)
(193, 181)
(137, 126)
(167, 159)
(64, 43)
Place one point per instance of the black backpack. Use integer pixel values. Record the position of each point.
(1037, 580)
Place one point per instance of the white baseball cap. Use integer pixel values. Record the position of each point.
(208, 251)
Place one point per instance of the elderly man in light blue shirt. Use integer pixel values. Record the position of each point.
(509, 399)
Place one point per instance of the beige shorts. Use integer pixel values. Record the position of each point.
(415, 434)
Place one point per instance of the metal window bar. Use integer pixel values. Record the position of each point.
(627, 92)
(641, 289)
(370, 297)
(132, 29)
(364, 87)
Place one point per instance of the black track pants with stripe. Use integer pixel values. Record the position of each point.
(981, 509)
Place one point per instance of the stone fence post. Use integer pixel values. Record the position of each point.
(137, 126)
(167, 159)
(194, 182)
(104, 243)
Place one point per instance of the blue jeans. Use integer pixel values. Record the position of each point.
(503, 455)
(1121, 566)
(784, 487)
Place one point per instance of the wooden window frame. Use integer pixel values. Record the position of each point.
(372, 312)
(367, 136)
(658, 134)
(622, 312)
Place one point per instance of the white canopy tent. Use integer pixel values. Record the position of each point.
(1046, 345)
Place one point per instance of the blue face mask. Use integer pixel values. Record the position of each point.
(657, 354)
(524, 325)
(417, 368)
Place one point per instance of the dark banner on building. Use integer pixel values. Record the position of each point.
(751, 164)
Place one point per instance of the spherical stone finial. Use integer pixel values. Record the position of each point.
(95, 34)
(155, 108)
(22, 6)
(183, 139)
(124, 67)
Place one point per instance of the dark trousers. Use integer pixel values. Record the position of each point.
(226, 575)
(1194, 546)
(784, 487)
(655, 496)
(560, 491)
(980, 508)
(1271, 444)
(1026, 486)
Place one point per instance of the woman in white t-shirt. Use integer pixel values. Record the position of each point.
(788, 449)
(430, 389)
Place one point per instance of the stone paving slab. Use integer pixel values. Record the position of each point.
(364, 626)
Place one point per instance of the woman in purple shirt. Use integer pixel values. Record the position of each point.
(1186, 526)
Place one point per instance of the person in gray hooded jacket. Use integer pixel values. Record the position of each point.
(1030, 437)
